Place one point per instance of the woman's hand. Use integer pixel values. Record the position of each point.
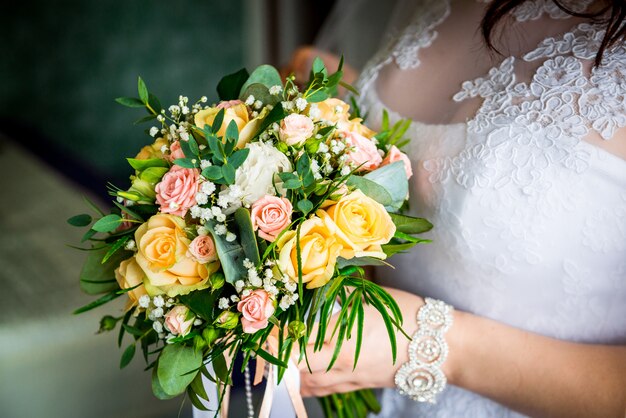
(302, 61)
(375, 368)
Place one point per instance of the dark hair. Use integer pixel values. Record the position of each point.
(614, 22)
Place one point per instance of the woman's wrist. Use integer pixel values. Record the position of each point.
(455, 336)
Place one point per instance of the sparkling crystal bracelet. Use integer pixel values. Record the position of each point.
(421, 377)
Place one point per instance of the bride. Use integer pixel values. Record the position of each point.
(519, 162)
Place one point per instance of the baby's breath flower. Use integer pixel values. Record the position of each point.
(144, 301)
(158, 301)
(202, 198)
(220, 229)
(301, 103)
(250, 100)
(276, 90)
(207, 187)
(230, 237)
(154, 131)
(223, 303)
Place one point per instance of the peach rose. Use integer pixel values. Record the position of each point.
(333, 110)
(363, 225)
(319, 251)
(176, 192)
(128, 275)
(176, 151)
(256, 309)
(153, 150)
(202, 248)
(236, 111)
(270, 215)
(179, 320)
(162, 246)
(394, 155)
(295, 129)
(356, 125)
(363, 152)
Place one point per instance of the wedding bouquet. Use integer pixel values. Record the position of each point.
(245, 225)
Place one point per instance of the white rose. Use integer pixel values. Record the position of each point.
(295, 129)
(255, 175)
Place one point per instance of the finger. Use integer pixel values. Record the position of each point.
(316, 361)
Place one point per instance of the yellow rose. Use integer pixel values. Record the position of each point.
(363, 225)
(237, 112)
(153, 150)
(129, 274)
(162, 254)
(333, 110)
(319, 250)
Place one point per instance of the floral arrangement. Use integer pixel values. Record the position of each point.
(247, 222)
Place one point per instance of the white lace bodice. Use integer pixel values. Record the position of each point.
(530, 218)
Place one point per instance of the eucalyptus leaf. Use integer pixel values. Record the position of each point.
(177, 367)
(157, 389)
(231, 256)
(409, 224)
(238, 157)
(260, 92)
(393, 178)
(186, 162)
(212, 172)
(228, 172)
(247, 236)
(372, 189)
(265, 75)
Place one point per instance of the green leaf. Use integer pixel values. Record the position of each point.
(360, 261)
(270, 358)
(217, 122)
(93, 206)
(186, 162)
(265, 75)
(305, 206)
(232, 132)
(127, 356)
(231, 256)
(292, 184)
(98, 302)
(198, 387)
(317, 97)
(157, 389)
(318, 66)
(392, 249)
(213, 172)
(238, 157)
(143, 90)
(371, 189)
(221, 368)
(230, 86)
(129, 102)
(141, 165)
(195, 399)
(154, 104)
(177, 367)
(80, 220)
(144, 119)
(108, 223)
(116, 246)
(410, 225)
(275, 115)
(247, 236)
(201, 302)
(228, 172)
(96, 277)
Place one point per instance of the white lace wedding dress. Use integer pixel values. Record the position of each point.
(529, 211)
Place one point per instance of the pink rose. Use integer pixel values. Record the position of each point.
(255, 309)
(394, 155)
(202, 248)
(176, 151)
(228, 103)
(176, 320)
(270, 215)
(295, 129)
(364, 153)
(176, 192)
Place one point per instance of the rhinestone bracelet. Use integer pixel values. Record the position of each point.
(421, 377)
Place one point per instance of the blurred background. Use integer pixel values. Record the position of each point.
(62, 136)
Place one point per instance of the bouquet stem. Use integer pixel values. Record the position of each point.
(357, 404)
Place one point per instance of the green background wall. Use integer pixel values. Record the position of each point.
(62, 63)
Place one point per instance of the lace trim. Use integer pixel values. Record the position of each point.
(533, 10)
